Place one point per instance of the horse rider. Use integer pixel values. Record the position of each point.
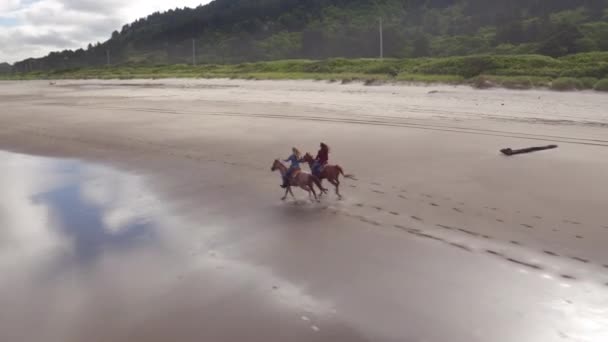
(295, 158)
(320, 160)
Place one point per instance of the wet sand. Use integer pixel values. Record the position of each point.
(441, 239)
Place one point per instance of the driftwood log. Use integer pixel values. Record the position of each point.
(510, 152)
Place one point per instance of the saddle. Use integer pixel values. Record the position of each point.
(317, 169)
(294, 173)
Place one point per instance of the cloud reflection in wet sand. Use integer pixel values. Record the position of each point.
(88, 250)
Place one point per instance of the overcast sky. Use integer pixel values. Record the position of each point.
(33, 28)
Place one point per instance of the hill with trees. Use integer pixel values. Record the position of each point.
(5, 68)
(235, 31)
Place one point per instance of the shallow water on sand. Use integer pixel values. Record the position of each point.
(76, 240)
(89, 253)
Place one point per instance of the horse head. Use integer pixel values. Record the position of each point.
(307, 158)
(275, 165)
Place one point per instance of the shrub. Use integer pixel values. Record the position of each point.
(601, 85)
(566, 83)
(517, 83)
(588, 82)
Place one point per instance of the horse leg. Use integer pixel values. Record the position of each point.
(311, 192)
(314, 193)
(321, 187)
(291, 192)
(286, 191)
(338, 187)
(307, 189)
(336, 184)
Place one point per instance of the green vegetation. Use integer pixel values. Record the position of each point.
(566, 83)
(602, 85)
(239, 31)
(581, 71)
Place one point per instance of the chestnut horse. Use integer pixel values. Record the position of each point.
(330, 172)
(300, 179)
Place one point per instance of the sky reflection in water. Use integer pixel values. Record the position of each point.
(84, 249)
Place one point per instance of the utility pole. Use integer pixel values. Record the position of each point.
(381, 40)
(193, 51)
(108, 57)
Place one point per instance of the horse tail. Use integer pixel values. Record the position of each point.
(317, 181)
(349, 176)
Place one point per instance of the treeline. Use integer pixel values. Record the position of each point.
(234, 31)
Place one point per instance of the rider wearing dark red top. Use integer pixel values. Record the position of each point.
(323, 155)
(321, 159)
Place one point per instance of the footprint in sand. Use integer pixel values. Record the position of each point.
(579, 236)
(434, 204)
(403, 197)
(551, 253)
(457, 210)
(580, 259)
(463, 247)
(493, 252)
(360, 205)
(416, 218)
(527, 225)
(378, 192)
(378, 208)
(426, 236)
(377, 184)
(394, 213)
(523, 263)
(445, 227)
(538, 217)
(515, 242)
(468, 232)
(567, 276)
(499, 220)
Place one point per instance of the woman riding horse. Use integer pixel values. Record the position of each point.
(320, 160)
(322, 170)
(295, 158)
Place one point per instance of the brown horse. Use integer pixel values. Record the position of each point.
(300, 179)
(330, 172)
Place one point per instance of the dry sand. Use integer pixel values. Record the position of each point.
(440, 239)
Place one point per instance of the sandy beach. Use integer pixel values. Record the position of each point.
(440, 238)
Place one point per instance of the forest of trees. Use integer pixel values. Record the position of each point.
(231, 31)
